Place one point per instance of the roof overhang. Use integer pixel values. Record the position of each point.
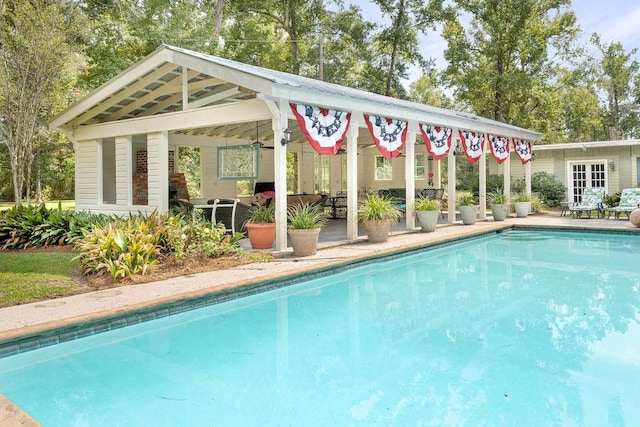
(173, 82)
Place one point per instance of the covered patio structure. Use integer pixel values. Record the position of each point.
(244, 119)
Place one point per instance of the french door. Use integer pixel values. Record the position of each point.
(583, 175)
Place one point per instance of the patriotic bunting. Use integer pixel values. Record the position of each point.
(499, 147)
(389, 135)
(473, 144)
(523, 149)
(325, 129)
(437, 139)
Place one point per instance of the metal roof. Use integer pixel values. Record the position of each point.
(153, 86)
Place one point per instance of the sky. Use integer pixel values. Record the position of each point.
(614, 20)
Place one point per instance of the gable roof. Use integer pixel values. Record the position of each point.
(154, 86)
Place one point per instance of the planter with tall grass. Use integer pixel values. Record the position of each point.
(261, 227)
(499, 203)
(378, 215)
(305, 223)
(427, 212)
(522, 204)
(467, 206)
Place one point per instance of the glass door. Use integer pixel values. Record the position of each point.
(586, 175)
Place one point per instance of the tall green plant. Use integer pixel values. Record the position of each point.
(378, 208)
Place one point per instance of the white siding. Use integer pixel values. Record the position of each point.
(157, 170)
(87, 173)
(123, 171)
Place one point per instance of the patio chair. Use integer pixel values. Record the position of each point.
(591, 201)
(629, 201)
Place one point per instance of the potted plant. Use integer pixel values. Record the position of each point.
(499, 203)
(427, 212)
(522, 204)
(378, 214)
(468, 207)
(305, 223)
(261, 227)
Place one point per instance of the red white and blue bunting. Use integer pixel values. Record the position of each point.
(499, 147)
(523, 149)
(473, 144)
(437, 139)
(325, 129)
(390, 135)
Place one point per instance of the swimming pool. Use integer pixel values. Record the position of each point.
(519, 328)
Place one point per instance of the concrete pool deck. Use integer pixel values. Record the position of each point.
(32, 320)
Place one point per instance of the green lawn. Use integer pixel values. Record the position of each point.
(33, 276)
(66, 204)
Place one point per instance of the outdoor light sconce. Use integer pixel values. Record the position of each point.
(533, 157)
(286, 137)
(612, 165)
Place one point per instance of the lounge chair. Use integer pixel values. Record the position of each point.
(629, 201)
(591, 201)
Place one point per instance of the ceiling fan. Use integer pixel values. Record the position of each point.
(258, 143)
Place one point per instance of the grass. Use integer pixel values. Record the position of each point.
(66, 204)
(32, 276)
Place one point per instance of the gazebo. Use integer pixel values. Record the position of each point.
(245, 119)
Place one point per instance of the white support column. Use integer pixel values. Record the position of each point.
(527, 180)
(158, 170)
(352, 176)
(279, 123)
(124, 171)
(410, 176)
(451, 178)
(483, 184)
(185, 88)
(506, 183)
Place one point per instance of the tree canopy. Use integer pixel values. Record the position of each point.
(517, 61)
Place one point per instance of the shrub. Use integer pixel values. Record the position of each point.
(35, 225)
(122, 248)
(549, 189)
(134, 245)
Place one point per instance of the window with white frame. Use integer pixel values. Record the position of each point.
(322, 174)
(419, 166)
(384, 170)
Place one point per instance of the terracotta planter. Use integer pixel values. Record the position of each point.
(261, 235)
(428, 220)
(378, 231)
(499, 211)
(468, 214)
(304, 242)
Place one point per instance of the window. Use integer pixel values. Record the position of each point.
(238, 162)
(343, 183)
(189, 165)
(419, 166)
(292, 172)
(322, 174)
(384, 171)
(244, 187)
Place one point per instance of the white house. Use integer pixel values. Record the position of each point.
(127, 136)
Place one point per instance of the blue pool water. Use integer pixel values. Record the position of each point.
(519, 328)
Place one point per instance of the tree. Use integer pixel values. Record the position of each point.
(396, 46)
(40, 43)
(617, 72)
(499, 62)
